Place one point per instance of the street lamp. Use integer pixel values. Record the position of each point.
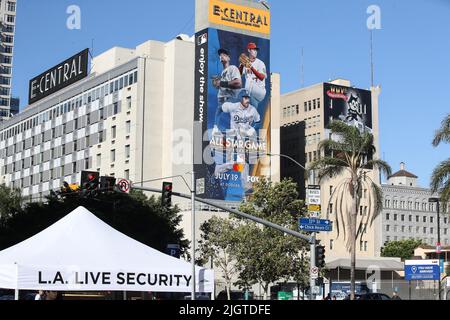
(438, 245)
(312, 253)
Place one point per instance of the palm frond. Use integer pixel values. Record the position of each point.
(443, 134)
(440, 177)
(381, 165)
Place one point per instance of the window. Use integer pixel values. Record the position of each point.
(431, 230)
(113, 155)
(417, 229)
(99, 160)
(387, 216)
(417, 219)
(127, 174)
(403, 217)
(424, 219)
(127, 151)
(331, 244)
(395, 228)
(100, 137)
(74, 167)
(395, 217)
(330, 208)
(431, 219)
(388, 239)
(387, 228)
(113, 132)
(445, 220)
(86, 163)
(116, 108)
(11, 6)
(128, 103)
(128, 127)
(10, 18)
(445, 231)
(365, 245)
(410, 218)
(410, 229)
(75, 145)
(424, 230)
(403, 228)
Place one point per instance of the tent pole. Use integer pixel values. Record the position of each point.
(16, 290)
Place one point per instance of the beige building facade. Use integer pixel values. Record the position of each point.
(307, 106)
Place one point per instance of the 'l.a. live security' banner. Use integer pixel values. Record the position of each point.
(83, 279)
(59, 77)
(237, 16)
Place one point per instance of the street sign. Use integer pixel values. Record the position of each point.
(314, 207)
(124, 186)
(314, 214)
(438, 248)
(422, 270)
(314, 273)
(315, 225)
(285, 295)
(313, 195)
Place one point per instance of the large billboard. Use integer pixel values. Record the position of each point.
(232, 108)
(350, 105)
(60, 76)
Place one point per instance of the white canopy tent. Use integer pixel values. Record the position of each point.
(82, 253)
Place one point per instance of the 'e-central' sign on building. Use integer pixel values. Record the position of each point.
(59, 77)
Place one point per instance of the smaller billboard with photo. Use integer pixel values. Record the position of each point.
(350, 105)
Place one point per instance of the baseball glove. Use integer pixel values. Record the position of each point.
(215, 81)
(245, 60)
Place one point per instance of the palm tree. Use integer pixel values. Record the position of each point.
(346, 151)
(440, 179)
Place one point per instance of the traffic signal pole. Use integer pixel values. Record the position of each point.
(312, 254)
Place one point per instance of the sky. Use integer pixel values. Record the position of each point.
(411, 54)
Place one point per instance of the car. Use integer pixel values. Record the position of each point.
(370, 296)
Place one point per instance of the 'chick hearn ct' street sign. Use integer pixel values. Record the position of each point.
(315, 225)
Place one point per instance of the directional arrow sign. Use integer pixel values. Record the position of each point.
(315, 225)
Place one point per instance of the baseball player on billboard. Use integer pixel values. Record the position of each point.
(229, 83)
(243, 119)
(255, 73)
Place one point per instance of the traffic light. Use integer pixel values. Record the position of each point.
(166, 199)
(89, 180)
(320, 256)
(107, 183)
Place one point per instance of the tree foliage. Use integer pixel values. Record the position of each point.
(403, 249)
(440, 178)
(135, 215)
(260, 254)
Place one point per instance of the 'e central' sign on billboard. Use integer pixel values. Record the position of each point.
(59, 77)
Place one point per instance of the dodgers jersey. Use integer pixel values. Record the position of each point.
(229, 74)
(241, 118)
